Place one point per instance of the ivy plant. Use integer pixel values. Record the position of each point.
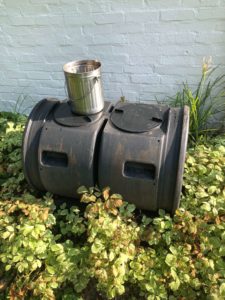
(102, 247)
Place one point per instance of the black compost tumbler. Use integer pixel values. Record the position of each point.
(136, 149)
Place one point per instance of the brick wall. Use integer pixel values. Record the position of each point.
(147, 47)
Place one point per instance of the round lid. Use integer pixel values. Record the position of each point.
(63, 115)
(136, 117)
(81, 66)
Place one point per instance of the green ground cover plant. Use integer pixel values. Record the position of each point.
(104, 248)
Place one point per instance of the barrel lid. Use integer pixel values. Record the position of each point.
(138, 117)
(63, 115)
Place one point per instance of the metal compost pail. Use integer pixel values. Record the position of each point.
(83, 81)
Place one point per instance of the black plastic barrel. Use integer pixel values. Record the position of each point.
(60, 148)
(136, 149)
(142, 154)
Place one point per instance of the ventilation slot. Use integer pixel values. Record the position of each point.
(156, 120)
(139, 170)
(111, 109)
(54, 159)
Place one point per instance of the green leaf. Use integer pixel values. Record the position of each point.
(10, 228)
(40, 227)
(170, 260)
(96, 248)
(174, 285)
(131, 208)
(115, 271)
(5, 235)
(27, 229)
(116, 196)
(191, 160)
(50, 270)
(120, 289)
(223, 235)
(202, 169)
(121, 269)
(206, 206)
(91, 190)
(34, 265)
(222, 289)
(8, 267)
(173, 250)
(222, 250)
(54, 285)
(88, 198)
(167, 236)
(111, 256)
(30, 258)
(82, 190)
(20, 268)
(212, 189)
(173, 273)
(211, 264)
(201, 194)
(57, 248)
(145, 220)
(97, 194)
(148, 288)
(219, 178)
(17, 258)
(186, 278)
(162, 212)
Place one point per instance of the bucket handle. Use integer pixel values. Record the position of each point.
(66, 90)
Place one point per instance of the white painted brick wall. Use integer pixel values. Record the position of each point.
(147, 47)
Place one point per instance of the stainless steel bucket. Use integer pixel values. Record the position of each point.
(83, 81)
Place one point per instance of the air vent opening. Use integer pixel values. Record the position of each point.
(139, 170)
(54, 159)
(111, 109)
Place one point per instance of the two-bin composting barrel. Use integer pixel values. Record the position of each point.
(136, 149)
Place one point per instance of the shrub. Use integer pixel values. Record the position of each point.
(11, 175)
(205, 103)
(104, 248)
